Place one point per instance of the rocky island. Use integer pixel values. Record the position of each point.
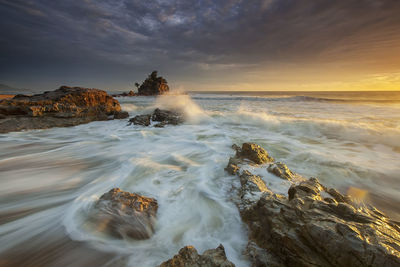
(152, 85)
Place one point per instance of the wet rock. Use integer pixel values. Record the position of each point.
(232, 168)
(123, 214)
(121, 115)
(253, 152)
(143, 120)
(66, 106)
(281, 170)
(167, 116)
(313, 226)
(305, 230)
(153, 85)
(188, 257)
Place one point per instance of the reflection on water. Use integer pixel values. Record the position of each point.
(50, 179)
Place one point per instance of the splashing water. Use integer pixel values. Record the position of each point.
(50, 179)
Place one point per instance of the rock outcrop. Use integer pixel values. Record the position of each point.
(163, 117)
(313, 225)
(66, 106)
(188, 257)
(123, 214)
(253, 152)
(143, 120)
(153, 85)
(130, 93)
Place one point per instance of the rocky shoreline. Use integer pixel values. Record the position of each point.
(311, 225)
(66, 106)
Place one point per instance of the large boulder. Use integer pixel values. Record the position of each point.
(66, 106)
(123, 214)
(188, 257)
(153, 85)
(314, 226)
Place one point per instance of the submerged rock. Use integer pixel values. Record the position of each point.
(188, 257)
(167, 116)
(314, 226)
(232, 167)
(163, 117)
(143, 120)
(66, 106)
(123, 214)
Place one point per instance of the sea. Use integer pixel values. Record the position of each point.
(50, 179)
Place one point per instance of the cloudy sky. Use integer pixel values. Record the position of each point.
(202, 45)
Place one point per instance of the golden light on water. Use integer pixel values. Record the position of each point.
(357, 193)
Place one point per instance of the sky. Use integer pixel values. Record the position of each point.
(201, 45)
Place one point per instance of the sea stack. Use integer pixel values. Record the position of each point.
(153, 85)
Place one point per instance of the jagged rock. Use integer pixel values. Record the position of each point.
(153, 85)
(123, 214)
(281, 170)
(232, 168)
(254, 153)
(66, 106)
(188, 257)
(143, 120)
(314, 226)
(163, 117)
(167, 116)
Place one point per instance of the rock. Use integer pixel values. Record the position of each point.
(313, 226)
(123, 214)
(130, 93)
(232, 168)
(153, 85)
(281, 170)
(121, 115)
(254, 153)
(143, 120)
(188, 257)
(2, 116)
(160, 125)
(306, 230)
(166, 116)
(66, 106)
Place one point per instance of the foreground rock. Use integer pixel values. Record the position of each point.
(66, 106)
(313, 226)
(123, 214)
(163, 117)
(188, 257)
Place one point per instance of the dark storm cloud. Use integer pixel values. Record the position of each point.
(94, 38)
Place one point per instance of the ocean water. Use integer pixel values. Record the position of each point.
(50, 179)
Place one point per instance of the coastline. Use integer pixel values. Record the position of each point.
(6, 96)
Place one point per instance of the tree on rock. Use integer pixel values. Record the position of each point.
(153, 85)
